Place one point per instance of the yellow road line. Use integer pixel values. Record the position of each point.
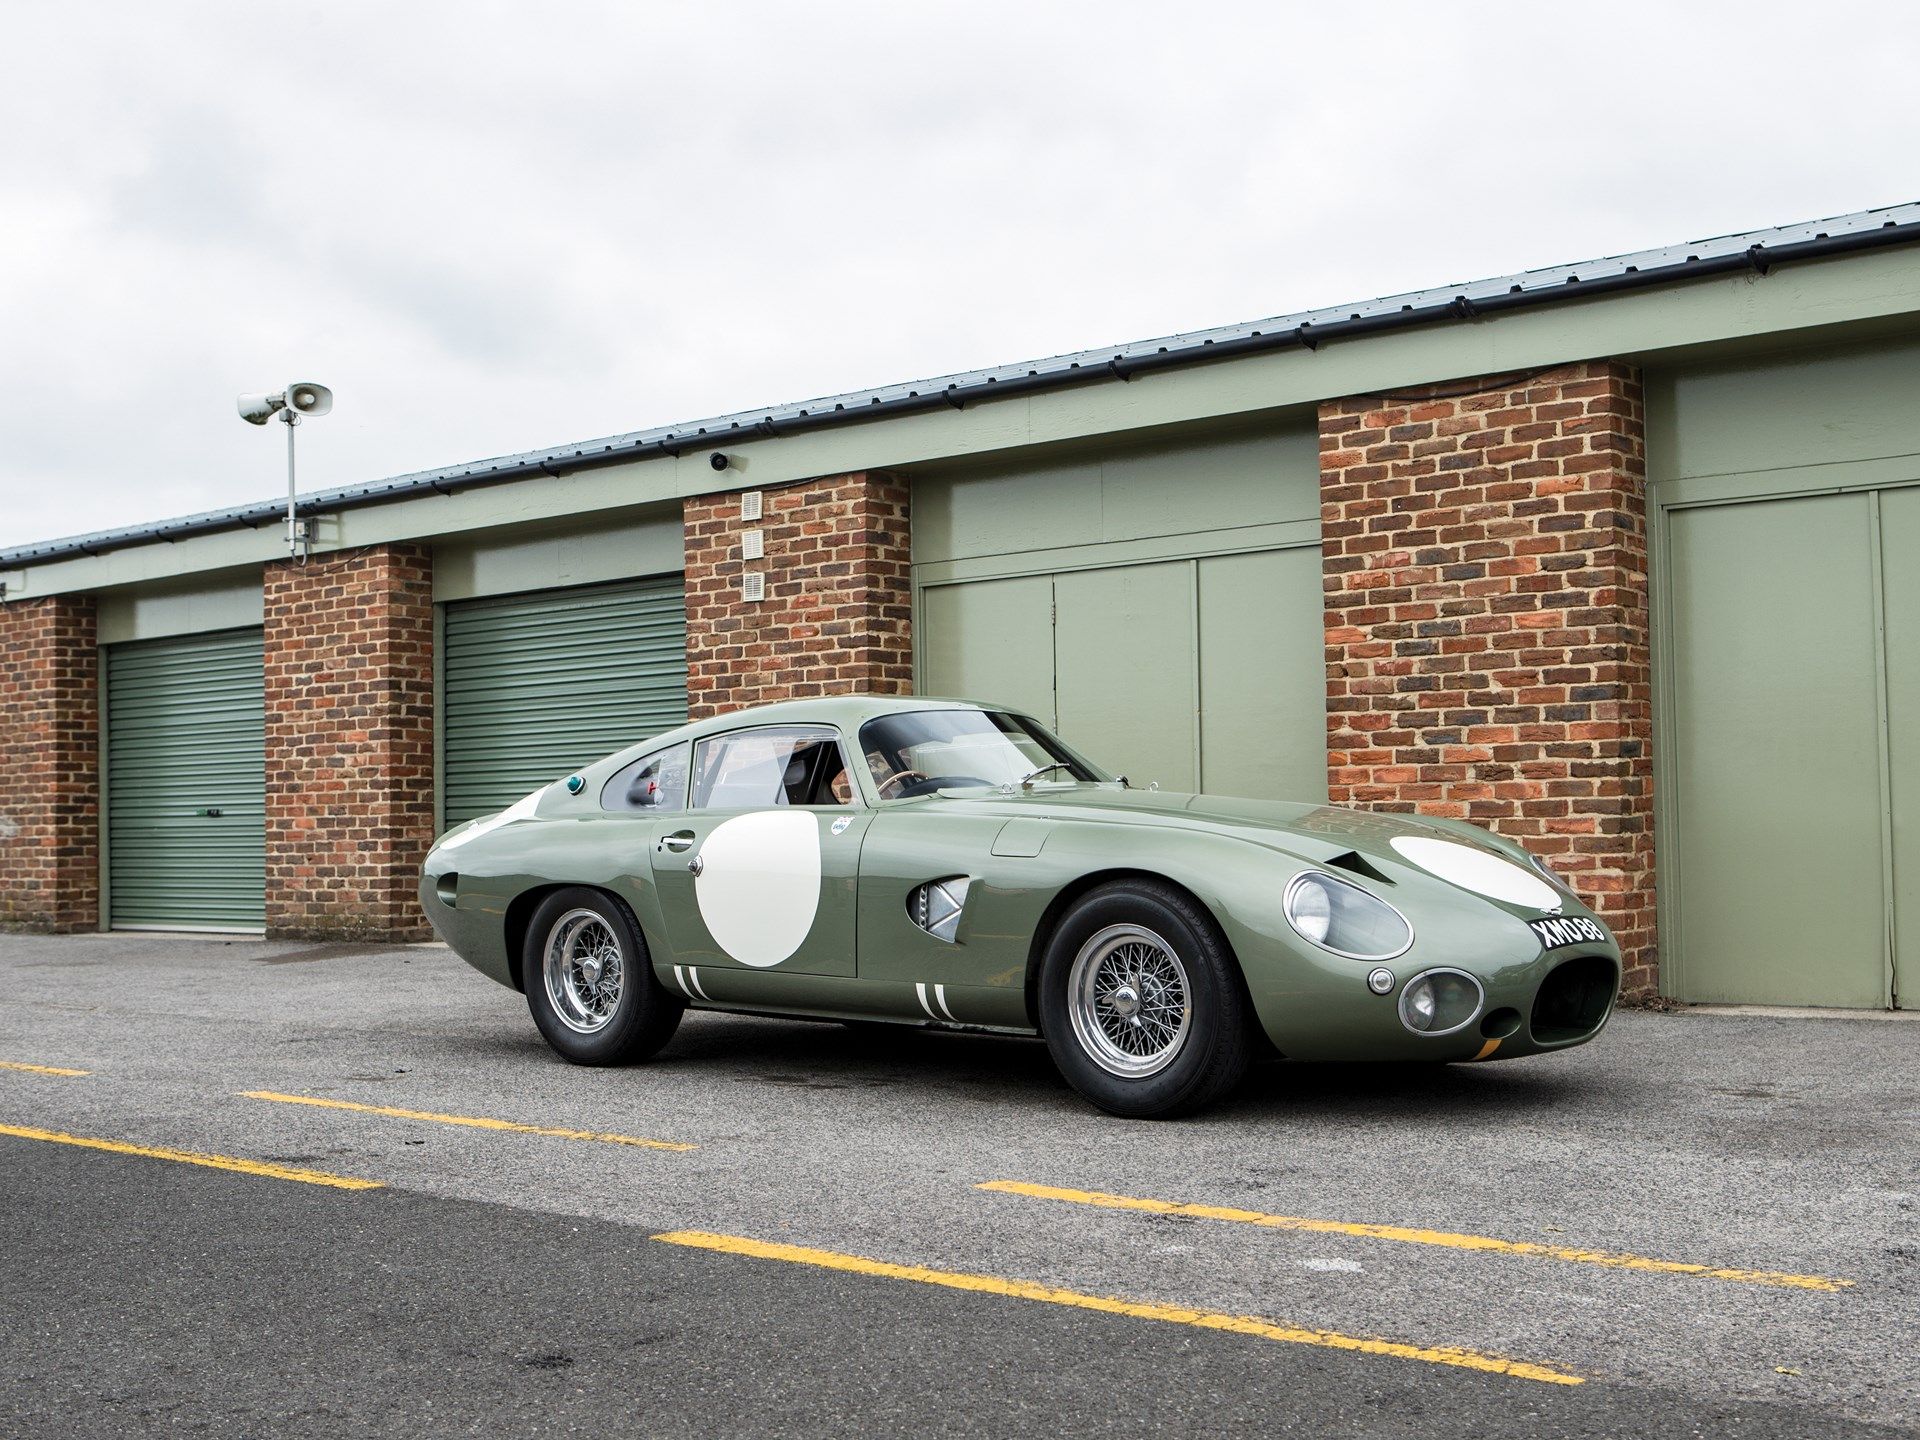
(477, 1122)
(40, 1069)
(1612, 1259)
(1112, 1305)
(191, 1157)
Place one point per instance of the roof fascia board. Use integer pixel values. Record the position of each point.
(1864, 289)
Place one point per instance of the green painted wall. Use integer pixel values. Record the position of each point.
(1146, 492)
(195, 607)
(1790, 409)
(531, 557)
(1160, 605)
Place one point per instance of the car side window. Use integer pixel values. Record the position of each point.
(756, 769)
(655, 784)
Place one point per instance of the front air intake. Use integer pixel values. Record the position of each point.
(1574, 999)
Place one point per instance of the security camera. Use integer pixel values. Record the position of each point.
(258, 409)
(718, 460)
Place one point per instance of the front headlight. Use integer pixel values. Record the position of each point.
(1344, 918)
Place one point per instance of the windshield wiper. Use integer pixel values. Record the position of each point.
(1026, 782)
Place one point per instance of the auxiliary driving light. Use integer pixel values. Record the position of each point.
(1440, 1002)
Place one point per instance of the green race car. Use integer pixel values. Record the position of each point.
(946, 863)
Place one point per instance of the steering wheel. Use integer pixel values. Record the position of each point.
(898, 781)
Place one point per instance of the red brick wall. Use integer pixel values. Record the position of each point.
(349, 674)
(49, 764)
(838, 612)
(1485, 563)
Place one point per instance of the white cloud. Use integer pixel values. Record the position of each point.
(495, 227)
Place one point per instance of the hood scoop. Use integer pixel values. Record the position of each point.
(1354, 863)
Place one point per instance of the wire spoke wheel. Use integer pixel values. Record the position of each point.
(585, 969)
(1130, 1001)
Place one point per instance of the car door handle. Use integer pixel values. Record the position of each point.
(679, 840)
(696, 865)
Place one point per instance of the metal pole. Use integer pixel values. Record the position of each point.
(294, 547)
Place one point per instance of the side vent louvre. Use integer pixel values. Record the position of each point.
(937, 905)
(1354, 863)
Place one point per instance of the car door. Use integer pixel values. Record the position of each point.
(761, 873)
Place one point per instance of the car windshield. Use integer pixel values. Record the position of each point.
(916, 752)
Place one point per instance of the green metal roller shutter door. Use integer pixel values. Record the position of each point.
(186, 783)
(535, 686)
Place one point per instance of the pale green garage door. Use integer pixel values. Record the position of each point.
(186, 783)
(535, 686)
(1793, 782)
(1205, 674)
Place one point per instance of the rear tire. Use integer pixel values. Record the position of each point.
(590, 983)
(1143, 1007)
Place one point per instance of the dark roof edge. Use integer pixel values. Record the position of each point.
(1757, 252)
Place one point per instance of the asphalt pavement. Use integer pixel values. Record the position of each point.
(1702, 1224)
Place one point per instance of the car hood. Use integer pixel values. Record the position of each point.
(1359, 841)
(1316, 832)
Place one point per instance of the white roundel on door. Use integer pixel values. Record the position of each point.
(759, 884)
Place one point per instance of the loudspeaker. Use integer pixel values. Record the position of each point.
(258, 409)
(306, 398)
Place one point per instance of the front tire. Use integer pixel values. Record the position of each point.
(1142, 1004)
(589, 981)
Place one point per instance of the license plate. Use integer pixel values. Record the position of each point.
(1569, 930)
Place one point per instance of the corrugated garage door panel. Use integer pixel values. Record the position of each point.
(186, 783)
(535, 686)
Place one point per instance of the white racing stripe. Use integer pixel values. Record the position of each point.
(688, 979)
(920, 989)
(940, 999)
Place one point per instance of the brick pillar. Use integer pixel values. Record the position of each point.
(349, 672)
(837, 617)
(1485, 565)
(49, 764)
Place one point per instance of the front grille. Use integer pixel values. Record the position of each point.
(1574, 999)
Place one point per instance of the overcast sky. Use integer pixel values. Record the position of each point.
(497, 227)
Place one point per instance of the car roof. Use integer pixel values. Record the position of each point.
(849, 712)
